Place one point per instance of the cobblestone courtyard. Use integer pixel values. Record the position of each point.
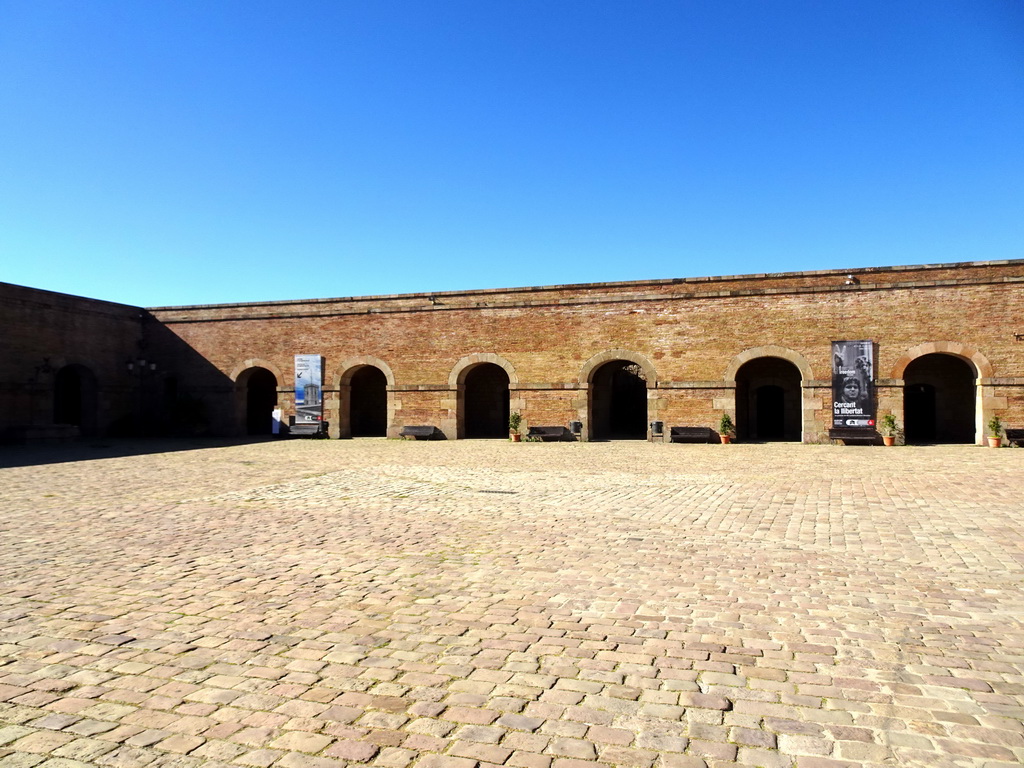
(462, 604)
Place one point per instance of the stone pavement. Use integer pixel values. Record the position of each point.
(478, 603)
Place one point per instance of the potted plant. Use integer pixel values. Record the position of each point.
(995, 432)
(889, 428)
(514, 421)
(725, 428)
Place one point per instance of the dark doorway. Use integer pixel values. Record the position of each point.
(260, 400)
(919, 413)
(486, 402)
(768, 401)
(771, 410)
(939, 400)
(618, 402)
(74, 398)
(368, 409)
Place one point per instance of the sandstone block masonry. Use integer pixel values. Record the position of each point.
(756, 346)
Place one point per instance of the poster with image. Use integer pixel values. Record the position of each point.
(308, 388)
(853, 390)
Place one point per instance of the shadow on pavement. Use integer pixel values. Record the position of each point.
(90, 449)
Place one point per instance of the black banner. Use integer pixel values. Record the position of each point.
(853, 387)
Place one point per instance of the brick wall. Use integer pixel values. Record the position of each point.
(689, 333)
(41, 332)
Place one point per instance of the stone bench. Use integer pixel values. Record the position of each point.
(421, 432)
(551, 434)
(308, 429)
(691, 435)
(855, 436)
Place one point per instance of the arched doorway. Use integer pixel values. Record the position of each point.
(74, 398)
(939, 400)
(618, 402)
(485, 402)
(259, 391)
(768, 401)
(368, 402)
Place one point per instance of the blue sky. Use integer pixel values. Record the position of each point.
(176, 152)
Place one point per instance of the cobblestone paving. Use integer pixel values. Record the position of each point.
(477, 603)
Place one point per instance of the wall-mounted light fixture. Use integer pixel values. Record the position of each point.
(851, 280)
(141, 364)
(45, 367)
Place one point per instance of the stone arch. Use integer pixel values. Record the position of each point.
(463, 366)
(462, 369)
(591, 366)
(350, 365)
(591, 426)
(340, 409)
(256, 362)
(769, 350)
(980, 366)
(806, 405)
(980, 363)
(256, 396)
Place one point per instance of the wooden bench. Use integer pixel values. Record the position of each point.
(550, 434)
(855, 436)
(691, 435)
(421, 432)
(1015, 436)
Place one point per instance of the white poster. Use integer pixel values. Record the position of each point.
(309, 381)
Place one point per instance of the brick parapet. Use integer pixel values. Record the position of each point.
(832, 281)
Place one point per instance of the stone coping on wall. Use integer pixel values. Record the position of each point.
(533, 386)
(559, 386)
(980, 273)
(696, 385)
(80, 305)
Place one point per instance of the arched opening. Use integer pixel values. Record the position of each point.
(768, 400)
(939, 400)
(368, 402)
(259, 388)
(618, 402)
(74, 398)
(486, 402)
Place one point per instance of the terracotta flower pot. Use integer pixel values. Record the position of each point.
(516, 437)
(726, 439)
(888, 439)
(995, 442)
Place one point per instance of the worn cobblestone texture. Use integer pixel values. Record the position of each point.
(476, 603)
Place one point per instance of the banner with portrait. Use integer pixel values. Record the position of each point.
(309, 379)
(853, 384)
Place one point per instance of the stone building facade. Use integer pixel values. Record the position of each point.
(614, 357)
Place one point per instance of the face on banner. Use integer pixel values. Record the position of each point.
(853, 376)
(308, 388)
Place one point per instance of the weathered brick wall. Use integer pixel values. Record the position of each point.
(690, 332)
(41, 332)
(690, 336)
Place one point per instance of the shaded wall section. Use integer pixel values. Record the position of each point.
(198, 397)
(63, 364)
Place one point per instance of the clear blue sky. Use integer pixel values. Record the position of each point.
(174, 152)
